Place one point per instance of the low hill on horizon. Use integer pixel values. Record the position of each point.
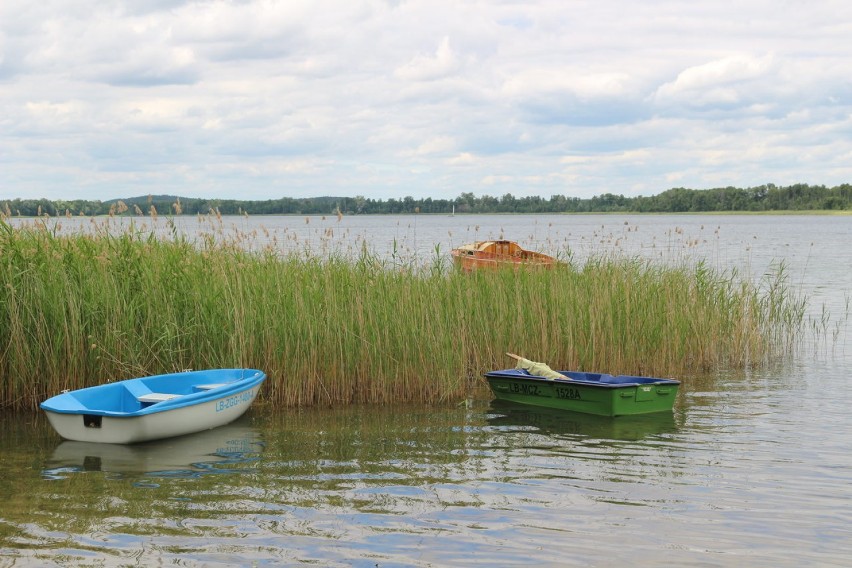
(768, 197)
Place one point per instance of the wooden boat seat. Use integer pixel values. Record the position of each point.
(155, 397)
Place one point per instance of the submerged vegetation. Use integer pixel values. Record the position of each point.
(82, 309)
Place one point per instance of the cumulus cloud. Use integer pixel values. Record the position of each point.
(437, 145)
(565, 81)
(429, 67)
(727, 81)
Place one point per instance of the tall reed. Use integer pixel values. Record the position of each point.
(83, 309)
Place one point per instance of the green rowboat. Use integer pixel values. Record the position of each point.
(591, 393)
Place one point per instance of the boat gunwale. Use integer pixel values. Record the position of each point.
(516, 374)
(225, 390)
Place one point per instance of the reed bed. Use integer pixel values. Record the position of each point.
(82, 309)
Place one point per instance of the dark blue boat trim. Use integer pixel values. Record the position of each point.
(595, 380)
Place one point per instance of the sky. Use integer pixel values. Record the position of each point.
(263, 99)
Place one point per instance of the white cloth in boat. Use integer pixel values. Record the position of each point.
(539, 369)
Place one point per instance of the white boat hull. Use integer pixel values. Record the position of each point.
(166, 424)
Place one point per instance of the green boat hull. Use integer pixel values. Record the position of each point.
(601, 395)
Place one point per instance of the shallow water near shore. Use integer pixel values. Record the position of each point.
(743, 472)
(752, 468)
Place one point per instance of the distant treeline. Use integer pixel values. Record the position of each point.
(769, 197)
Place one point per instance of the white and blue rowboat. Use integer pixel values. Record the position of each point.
(150, 408)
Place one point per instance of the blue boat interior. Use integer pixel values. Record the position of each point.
(589, 377)
(133, 395)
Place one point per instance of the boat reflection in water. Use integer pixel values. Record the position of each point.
(226, 449)
(515, 416)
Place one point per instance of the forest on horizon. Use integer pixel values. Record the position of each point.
(769, 197)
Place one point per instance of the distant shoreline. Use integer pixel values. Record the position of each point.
(778, 213)
(765, 199)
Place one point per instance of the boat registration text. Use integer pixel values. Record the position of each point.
(568, 393)
(235, 400)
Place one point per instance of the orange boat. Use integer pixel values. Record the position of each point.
(493, 254)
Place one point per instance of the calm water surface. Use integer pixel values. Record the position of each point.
(751, 468)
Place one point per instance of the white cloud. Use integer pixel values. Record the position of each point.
(566, 81)
(725, 81)
(386, 99)
(430, 67)
(463, 159)
(436, 145)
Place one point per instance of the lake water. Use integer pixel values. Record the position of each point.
(753, 468)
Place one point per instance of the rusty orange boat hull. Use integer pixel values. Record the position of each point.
(496, 254)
